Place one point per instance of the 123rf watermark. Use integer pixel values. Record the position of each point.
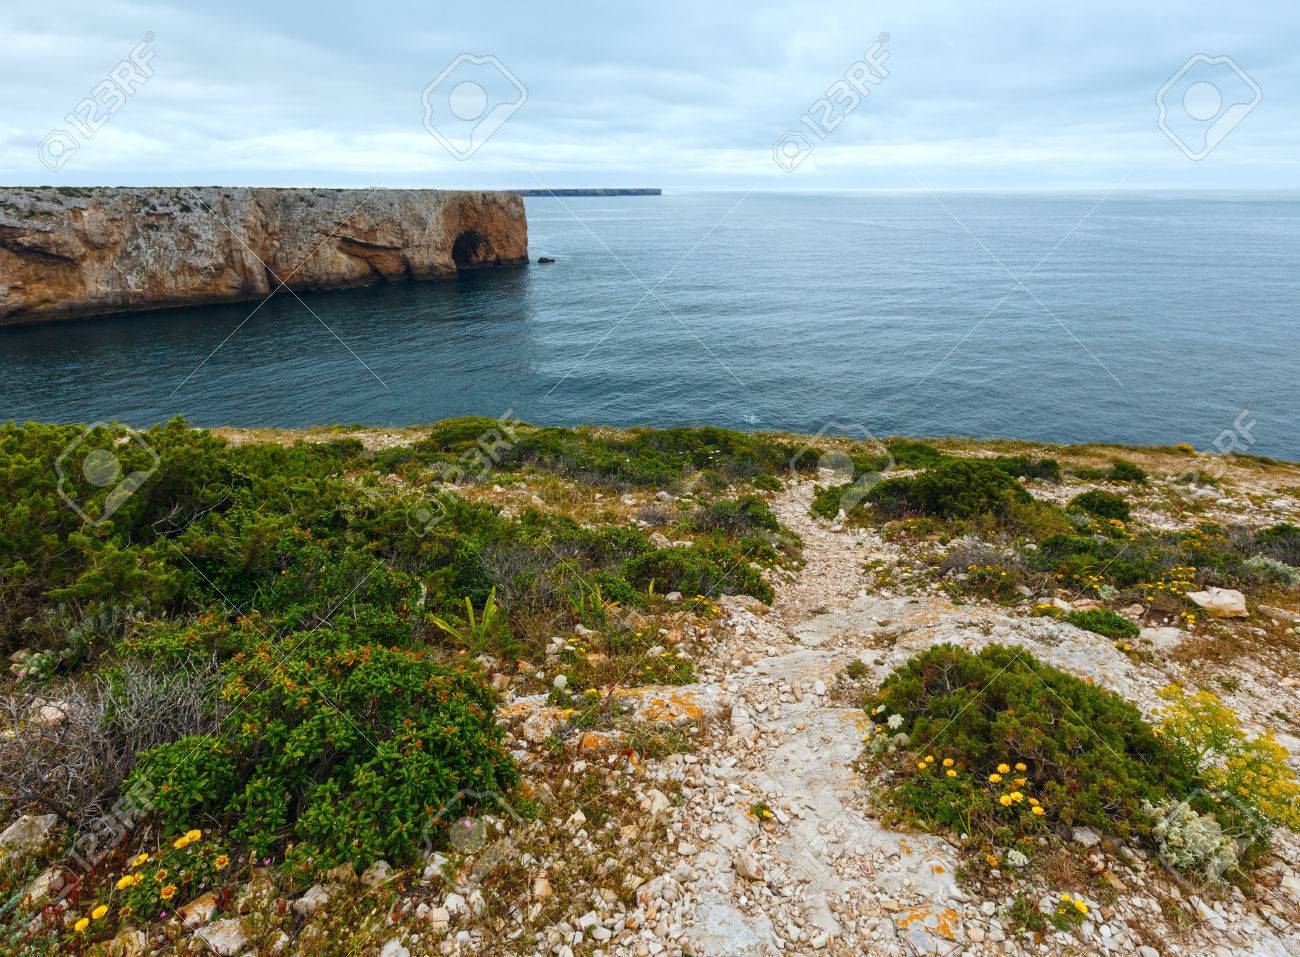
(424, 513)
(836, 467)
(1205, 100)
(93, 111)
(825, 114)
(469, 101)
(100, 469)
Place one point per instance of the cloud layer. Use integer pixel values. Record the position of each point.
(672, 94)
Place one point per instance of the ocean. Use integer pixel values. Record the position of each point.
(1131, 317)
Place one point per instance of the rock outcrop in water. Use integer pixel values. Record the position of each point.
(68, 252)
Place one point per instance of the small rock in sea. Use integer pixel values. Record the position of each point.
(545, 259)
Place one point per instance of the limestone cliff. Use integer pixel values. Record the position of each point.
(67, 252)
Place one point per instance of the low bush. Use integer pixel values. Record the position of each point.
(1101, 503)
(1279, 542)
(654, 457)
(1022, 466)
(1124, 471)
(910, 454)
(707, 568)
(347, 740)
(999, 745)
(746, 515)
(1103, 622)
(75, 767)
(955, 489)
(1248, 773)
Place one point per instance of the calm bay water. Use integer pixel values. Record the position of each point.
(1158, 318)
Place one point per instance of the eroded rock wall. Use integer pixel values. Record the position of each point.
(69, 252)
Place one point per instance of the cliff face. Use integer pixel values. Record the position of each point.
(68, 252)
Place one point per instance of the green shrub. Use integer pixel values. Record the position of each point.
(1088, 473)
(1022, 466)
(654, 457)
(736, 518)
(1103, 622)
(828, 500)
(344, 740)
(959, 488)
(1101, 503)
(704, 569)
(1081, 753)
(910, 454)
(1279, 542)
(1123, 471)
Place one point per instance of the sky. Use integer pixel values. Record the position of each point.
(682, 95)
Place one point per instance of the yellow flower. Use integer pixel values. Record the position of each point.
(1004, 769)
(180, 842)
(992, 861)
(947, 762)
(160, 874)
(995, 778)
(139, 859)
(125, 881)
(1017, 796)
(81, 925)
(951, 773)
(921, 765)
(193, 835)
(929, 759)
(99, 912)
(1020, 782)
(1005, 800)
(1038, 810)
(222, 862)
(168, 892)
(1034, 801)
(1021, 766)
(1080, 906)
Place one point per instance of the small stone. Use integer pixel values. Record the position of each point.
(747, 867)
(455, 904)
(224, 937)
(542, 888)
(30, 834)
(316, 896)
(1086, 836)
(1220, 602)
(129, 943)
(394, 948)
(377, 873)
(48, 883)
(48, 712)
(198, 911)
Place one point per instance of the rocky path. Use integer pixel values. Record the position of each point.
(775, 852)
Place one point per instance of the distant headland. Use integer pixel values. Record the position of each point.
(74, 251)
(612, 191)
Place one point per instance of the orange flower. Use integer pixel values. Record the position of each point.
(168, 892)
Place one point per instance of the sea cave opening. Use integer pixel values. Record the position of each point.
(469, 251)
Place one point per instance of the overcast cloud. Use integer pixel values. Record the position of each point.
(673, 94)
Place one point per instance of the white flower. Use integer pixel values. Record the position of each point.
(895, 722)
